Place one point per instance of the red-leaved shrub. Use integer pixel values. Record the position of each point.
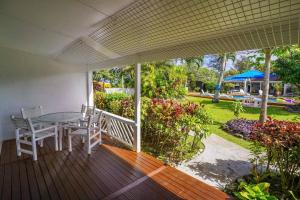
(275, 133)
(282, 142)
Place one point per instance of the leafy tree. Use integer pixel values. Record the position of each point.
(231, 72)
(243, 64)
(163, 81)
(102, 75)
(287, 66)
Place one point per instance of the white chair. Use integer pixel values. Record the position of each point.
(90, 130)
(34, 112)
(207, 94)
(25, 129)
(88, 110)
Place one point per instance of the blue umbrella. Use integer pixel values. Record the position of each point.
(246, 75)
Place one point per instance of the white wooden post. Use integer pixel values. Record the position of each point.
(245, 85)
(285, 87)
(90, 92)
(137, 93)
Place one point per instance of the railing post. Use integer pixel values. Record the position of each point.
(137, 119)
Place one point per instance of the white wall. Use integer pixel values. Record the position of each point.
(28, 80)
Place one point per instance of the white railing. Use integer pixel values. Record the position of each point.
(120, 128)
(129, 91)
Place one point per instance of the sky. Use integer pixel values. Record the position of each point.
(230, 63)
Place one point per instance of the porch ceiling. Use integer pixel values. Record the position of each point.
(146, 30)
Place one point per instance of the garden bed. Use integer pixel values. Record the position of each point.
(239, 127)
(293, 108)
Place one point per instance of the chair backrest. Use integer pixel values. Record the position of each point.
(90, 121)
(32, 112)
(19, 122)
(30, 125)
(88, 110)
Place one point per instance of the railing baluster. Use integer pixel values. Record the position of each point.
(118, 127)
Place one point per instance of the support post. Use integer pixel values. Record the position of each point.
(137, 100)
(285, 87)
(265, 95)
(245, 86)
(90, 92)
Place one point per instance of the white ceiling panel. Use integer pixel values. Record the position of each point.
(67, 17)
(19, 35)
(125, 31)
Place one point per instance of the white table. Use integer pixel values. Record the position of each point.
(60, 119)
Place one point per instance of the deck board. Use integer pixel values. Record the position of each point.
(103, 174)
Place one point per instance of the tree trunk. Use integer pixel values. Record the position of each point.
(265, 95)
(218, 88)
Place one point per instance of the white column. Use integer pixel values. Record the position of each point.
(137, 93)
(260, 85)
(90, 92)
(245, 86)
(285, 87)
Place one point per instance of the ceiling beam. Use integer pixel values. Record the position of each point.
(99, 48)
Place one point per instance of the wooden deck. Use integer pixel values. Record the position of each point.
(109, 173)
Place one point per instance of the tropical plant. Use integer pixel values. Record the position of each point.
(239, 127)
(287, 66)
(258, 160)
(237, 108)
(282, 142)
(254, 191)
(162, 81)
(166, 124)
(243, 64)
(194, 61)
(222, 59)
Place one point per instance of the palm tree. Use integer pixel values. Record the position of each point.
(222, 59)
(193, 65)
(194, 61)
(265, 95)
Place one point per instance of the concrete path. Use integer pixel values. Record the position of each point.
(220, 163)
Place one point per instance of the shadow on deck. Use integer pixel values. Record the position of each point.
(109, 172)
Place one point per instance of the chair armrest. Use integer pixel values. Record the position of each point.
(46, 129)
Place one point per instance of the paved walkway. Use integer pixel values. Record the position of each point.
(221, 162)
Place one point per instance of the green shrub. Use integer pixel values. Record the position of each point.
(111, 102)
(258, 192)
(99, 99)
(166, 124)
(166, 127)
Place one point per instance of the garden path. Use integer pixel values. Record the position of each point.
(220, 163)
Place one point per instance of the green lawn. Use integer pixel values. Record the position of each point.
(222, 112)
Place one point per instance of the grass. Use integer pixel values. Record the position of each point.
(222, 112)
